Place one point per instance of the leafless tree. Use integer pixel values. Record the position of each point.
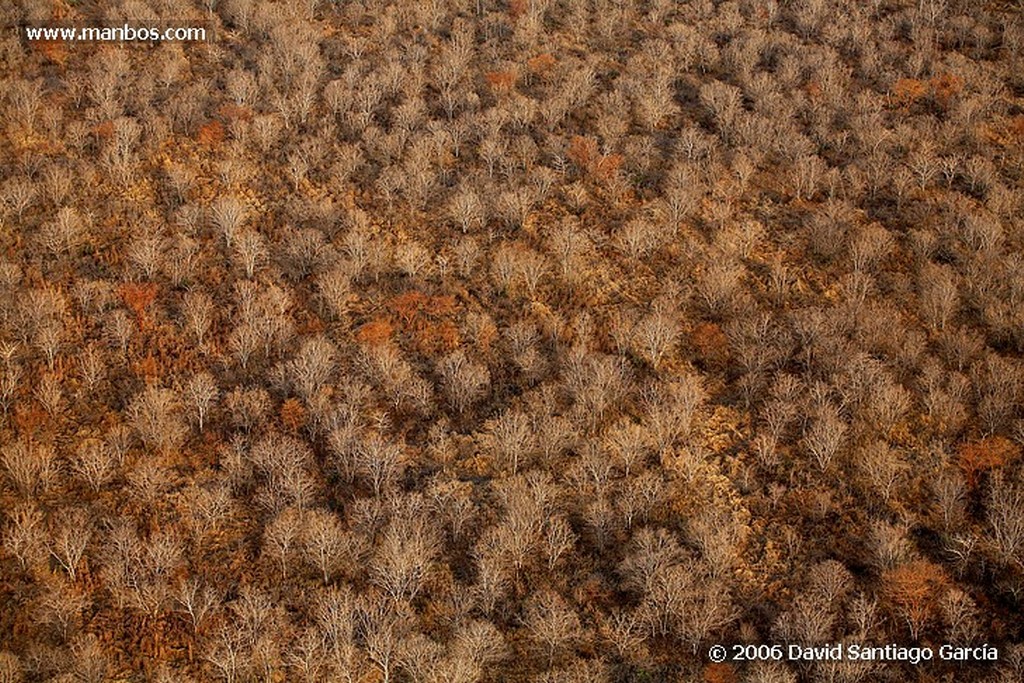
(198, 315)
(94, 463)
(312, 366)
(552, 624)
(228, 215)
(336, 290)
(512, 439)
(32, 468)
(196, 599)
(120, 329)
(325, 543)
(62, 605)
(466, 210)
(156, 416)
(825, 437)
(1005, 516)
(882, 467)
(244, 342)
(251, 249)
(17, 194)
(200, 394)
(282, 538)
(655, 335)
(403, 559)
(379, 462)
(91, 368)
(938, 295)
(24, 533)
(465, 381)
(68, 538)
(671, 410)
(382, 625)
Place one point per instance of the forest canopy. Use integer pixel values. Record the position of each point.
(465, 341)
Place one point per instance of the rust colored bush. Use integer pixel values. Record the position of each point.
(720, 673)
(711, 344)
(293, 415)
(501, 82)
(104, 130)
(517, 8)
(541, 64)
(908, 91)
(138, 296)
(583, 151)
(979, 457)
(374, 332)
(437, 338)
(211, 134)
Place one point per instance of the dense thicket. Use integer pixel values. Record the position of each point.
(539, 340)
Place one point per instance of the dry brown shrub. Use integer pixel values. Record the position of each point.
(945, 87)
(583, 151)
(541, 64)
(517, 8)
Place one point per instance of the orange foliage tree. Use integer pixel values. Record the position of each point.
(914, 591)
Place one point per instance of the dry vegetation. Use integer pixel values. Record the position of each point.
(448, 341)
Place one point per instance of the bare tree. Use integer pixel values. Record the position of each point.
(312, 366)
(196, 599)
(282, 538)
(671, 410)
(24, 533)
(465, 381)
(68, 538)
(30, 467)
(379, 462)
(655, 335)
(198, 313)
(251, 249)
(200, 393)
(938, 295)
(382, 626)
(324, 542)
(156, 416)
(336, 291)
(94, 463)
(404, 556)
(1005, 516)
(467, 210)
(552, 624)
(825, 437)
(228, 214)
(17, 194)
(62, 605)
(512, 439)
